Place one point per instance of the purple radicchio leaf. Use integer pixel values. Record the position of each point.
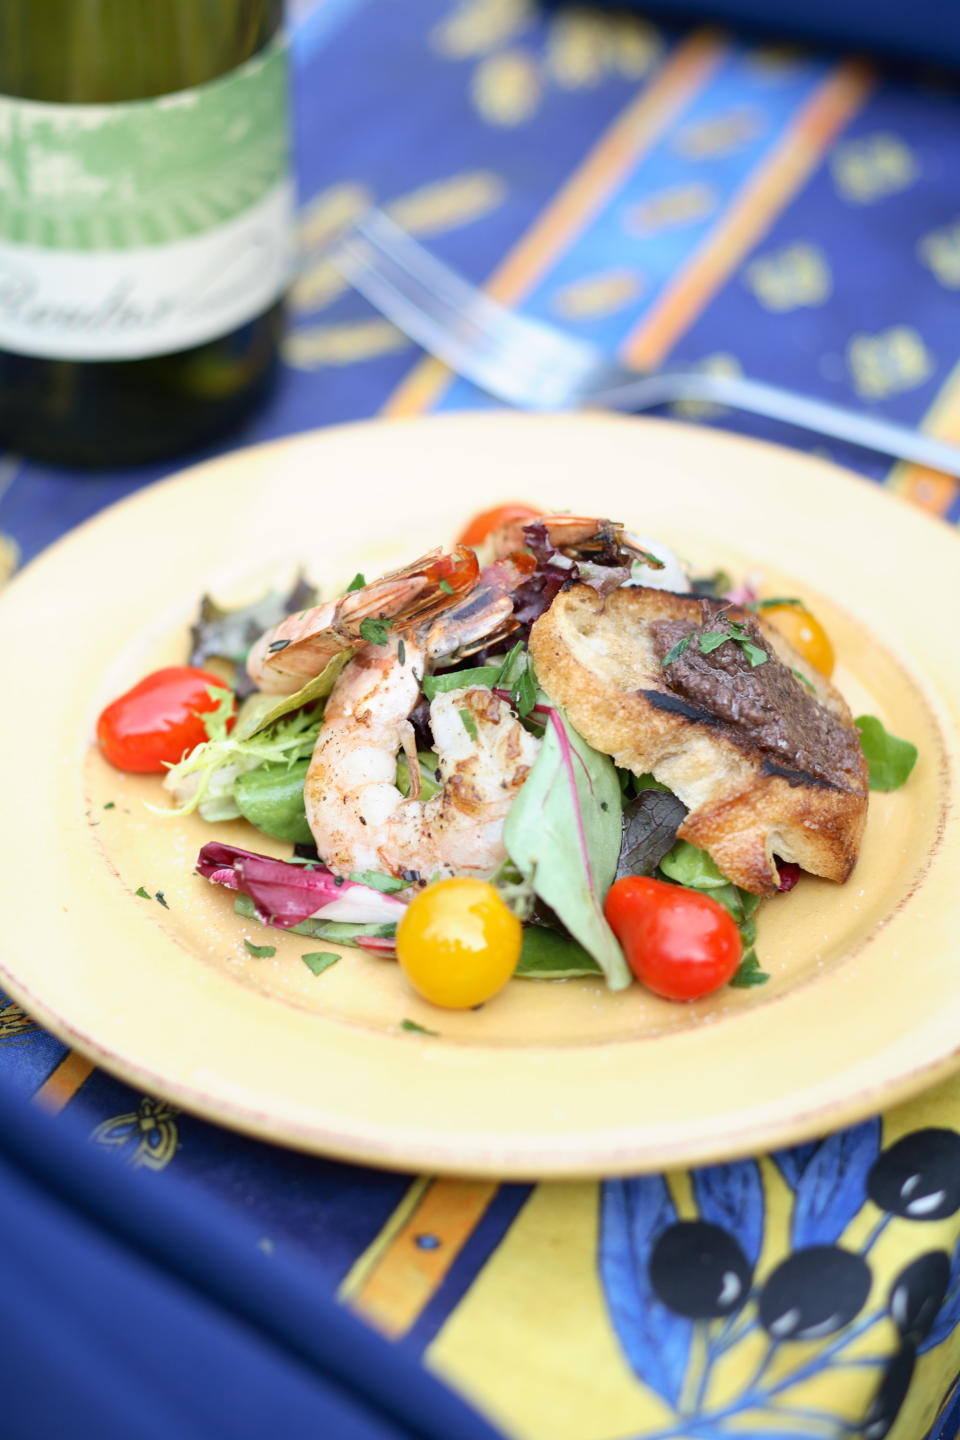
(285, 894)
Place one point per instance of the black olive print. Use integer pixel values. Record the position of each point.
(699, 1270)
(918, 1178)
(814, 1292)
(917, 1294)
(891, 1395)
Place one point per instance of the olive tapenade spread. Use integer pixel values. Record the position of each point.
(762, 703)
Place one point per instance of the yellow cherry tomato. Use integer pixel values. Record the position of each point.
(458, 944)
(805, 634)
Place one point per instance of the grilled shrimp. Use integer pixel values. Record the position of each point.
(301, 646)
(358, 817)
(360, 820)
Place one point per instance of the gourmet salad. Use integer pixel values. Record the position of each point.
(548, 752)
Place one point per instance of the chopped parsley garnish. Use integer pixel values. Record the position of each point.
(357, 583)
(803, 679)
(110, 805)
(469, 724)
(277, 646)
(412, 1025)
(260, 952)
(711, 640)
(160, 898)
(319, 960)
(675, 651)
(778, 600)
(749, 973)
(144, 894)
(387, 883)
(375, 632)
(446, 587)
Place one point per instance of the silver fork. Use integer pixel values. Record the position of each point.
(533, 366)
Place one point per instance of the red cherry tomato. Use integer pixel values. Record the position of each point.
(679, 943)
(152, 725)
(477, 530)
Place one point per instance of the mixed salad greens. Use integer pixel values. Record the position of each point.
(578, 825)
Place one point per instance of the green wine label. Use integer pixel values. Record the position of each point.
(139, 229)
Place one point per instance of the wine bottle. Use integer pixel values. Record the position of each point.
(145, 209)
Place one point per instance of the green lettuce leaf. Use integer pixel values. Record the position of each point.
(563, 833)
(889, 759)
(548, 955)
(316, 689)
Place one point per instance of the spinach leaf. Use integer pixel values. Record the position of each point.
(692, 867)
(889, 759)
(548, 955)
(650, 823)
(563, 833)
(271, 798)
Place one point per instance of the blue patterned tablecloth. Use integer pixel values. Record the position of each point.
(745, 208)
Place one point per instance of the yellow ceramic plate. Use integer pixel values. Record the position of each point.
(863, 1007)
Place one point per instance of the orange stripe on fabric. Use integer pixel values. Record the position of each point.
(768, 190)
(631, 135)
(931, 489)
(398, 1287)
(62, 1084)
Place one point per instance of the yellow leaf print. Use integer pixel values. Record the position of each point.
(9, 557)
(313, 347)
(14, 1022)
(872, 167)
(506, 88)
(940, 252)
(889, 362)
(720, 363)
(669, 209)
(445, 204)
(317, 286)
(596, 295)
(720, 134)
(584, 46)
(479, 26)
(147, 1138)
(327, 214)
(789, 278)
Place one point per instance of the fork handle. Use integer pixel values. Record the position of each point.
(819, 416)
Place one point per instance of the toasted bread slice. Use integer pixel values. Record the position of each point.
(768, 764)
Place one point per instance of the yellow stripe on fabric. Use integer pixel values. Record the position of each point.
(394, 1280)
(768, 189)
(930, 489)
(371, 1257)
(62, 1084)
(617, 153)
